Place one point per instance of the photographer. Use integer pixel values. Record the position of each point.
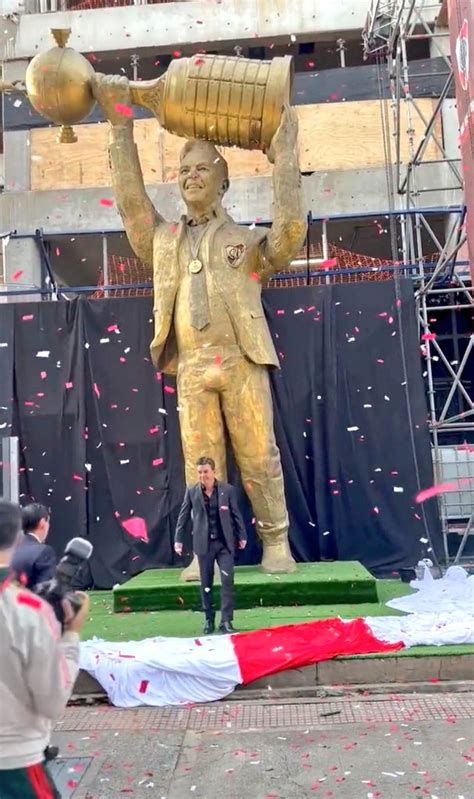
(38, 667)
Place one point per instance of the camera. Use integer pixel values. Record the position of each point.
(76, 554)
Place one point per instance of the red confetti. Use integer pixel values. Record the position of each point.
(96, 390)
(169, 390)
(112, 328)
(428, 336)
(72, 783)
(17, 275)
(27, 317)
(218, 360)
(136, 527)
(157, 462)
(105, 201)
(68, 385)
(177, 54)
(330, 263)
(43, 375)
(154, 430)
(440, 488)
(77, 477)
(125, 110)
(143, 686)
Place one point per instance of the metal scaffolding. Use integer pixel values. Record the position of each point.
(442, 288)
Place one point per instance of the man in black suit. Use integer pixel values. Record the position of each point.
(217, 528)
(34, 561)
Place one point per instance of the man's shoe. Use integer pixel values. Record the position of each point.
(226, 628)
(209, 627)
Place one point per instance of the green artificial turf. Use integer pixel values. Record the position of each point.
(125, 626)
(313, 584)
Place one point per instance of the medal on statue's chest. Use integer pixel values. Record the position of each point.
(194, 241)
(195, 266)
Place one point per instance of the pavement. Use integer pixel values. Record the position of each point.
(355, 747)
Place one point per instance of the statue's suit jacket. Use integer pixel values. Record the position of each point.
(236, 260)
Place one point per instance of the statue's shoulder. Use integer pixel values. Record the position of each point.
(247, 234)
(168, 230)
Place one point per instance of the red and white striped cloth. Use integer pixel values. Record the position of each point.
(179, 671)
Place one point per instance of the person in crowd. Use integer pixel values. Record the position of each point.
(217, 528)
(34, 561)
(39, 663)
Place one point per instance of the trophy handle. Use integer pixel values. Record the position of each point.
(148, 94)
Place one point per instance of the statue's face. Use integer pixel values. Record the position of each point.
(200, 180)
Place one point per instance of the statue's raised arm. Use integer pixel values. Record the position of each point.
(139, 215)
(286, 236)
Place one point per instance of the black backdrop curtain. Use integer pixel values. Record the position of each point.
(99, 428)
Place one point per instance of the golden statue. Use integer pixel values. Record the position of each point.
(209, 324)
(210, 328)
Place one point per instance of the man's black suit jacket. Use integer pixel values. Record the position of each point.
(34, 560)
(194, 508)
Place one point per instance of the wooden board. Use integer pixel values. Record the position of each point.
(333, 136)
(86, 164)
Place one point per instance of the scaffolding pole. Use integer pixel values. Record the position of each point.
(391, 25)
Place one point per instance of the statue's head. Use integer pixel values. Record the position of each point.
(203, 175)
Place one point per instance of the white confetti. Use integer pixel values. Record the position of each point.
(3, 344)
(104, 340)
(352, 429)
(398, 489)
(43, 354)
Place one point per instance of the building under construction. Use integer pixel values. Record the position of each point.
(382, 147)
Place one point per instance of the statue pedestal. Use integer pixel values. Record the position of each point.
(312, 584)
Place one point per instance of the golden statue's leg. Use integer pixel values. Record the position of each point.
(202, 433)
(248, 410)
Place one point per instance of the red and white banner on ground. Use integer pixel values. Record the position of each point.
(178, 671)
(461, 29)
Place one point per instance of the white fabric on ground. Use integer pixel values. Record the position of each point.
(454, 592)
(441, 612)
(424, 629)
(163, 671)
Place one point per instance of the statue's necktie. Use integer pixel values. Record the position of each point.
(199, 300)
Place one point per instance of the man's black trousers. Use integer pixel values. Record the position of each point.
(219, 553)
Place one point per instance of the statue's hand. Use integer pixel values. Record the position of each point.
(112, 92)
(285, 139)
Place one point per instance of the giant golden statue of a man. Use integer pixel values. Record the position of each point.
(210, 328)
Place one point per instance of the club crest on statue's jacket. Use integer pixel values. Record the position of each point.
(234, 253)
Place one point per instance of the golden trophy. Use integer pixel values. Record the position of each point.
(228, 100)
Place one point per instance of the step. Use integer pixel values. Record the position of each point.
(312, 584)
